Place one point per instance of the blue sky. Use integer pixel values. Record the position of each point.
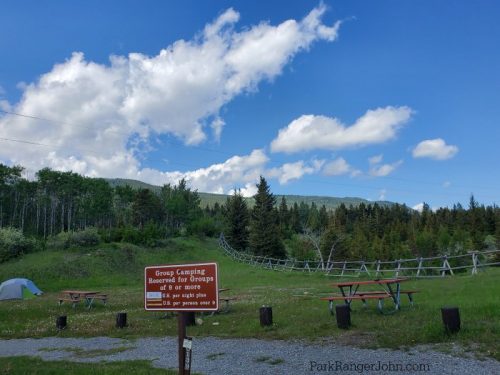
(394, 100)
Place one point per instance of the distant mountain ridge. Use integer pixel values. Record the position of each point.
(210, 198)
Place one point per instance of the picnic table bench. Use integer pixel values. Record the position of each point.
(388, 292)
(76, 296)
(227, 300)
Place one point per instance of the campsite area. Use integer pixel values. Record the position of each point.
(117, 270)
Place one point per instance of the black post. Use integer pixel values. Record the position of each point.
(451, 319)
(266, 316)
(181, 333)
(121, 320)
(61, 322)
(190, 318)
(343, 313)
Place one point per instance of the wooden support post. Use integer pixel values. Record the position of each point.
(190, 318)
(61, 322)
(343, 313)
(343, 268)
(420, 261)
(266, 316)
(181, 335)
(121, 320)
(451, 319)
(474, 263)
(378, 268)
(398, 262)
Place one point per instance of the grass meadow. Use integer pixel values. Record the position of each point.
(298, 313)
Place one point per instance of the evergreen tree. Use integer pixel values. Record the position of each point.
(264, 231)
(146, 207)
(284, 218)
(237, 217)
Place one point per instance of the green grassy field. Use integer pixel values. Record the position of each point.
(298, 313)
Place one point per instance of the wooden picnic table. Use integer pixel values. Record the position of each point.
(390, 289)
(226, 300)
(88, 296)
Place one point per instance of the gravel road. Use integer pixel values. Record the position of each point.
(249, 356)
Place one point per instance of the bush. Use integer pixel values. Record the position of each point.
(300, 248)
(85, 238)
(151, 235)
(61, 240)
(13, 243)
(204, 226)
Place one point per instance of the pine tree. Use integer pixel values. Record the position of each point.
(264, 231)
(284, 218)
(237, 217)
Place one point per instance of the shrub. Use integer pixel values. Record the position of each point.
(84, 238)
(13, 243)
(300, 248)
(61, 240)
(151, 233)
(204, 226)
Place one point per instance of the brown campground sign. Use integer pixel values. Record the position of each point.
(182, 287)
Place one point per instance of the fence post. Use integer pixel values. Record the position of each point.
(420, 261)
(446, 266)
(378, 268)
(398, 262)
(343, 268)
(474, 263)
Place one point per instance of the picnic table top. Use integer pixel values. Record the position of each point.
(80, 292)
(371, 282)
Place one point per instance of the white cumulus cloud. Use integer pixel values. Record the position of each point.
(309, 132)
(419, 207)
(337, 167)
(382, 170)
(293, 171)
(101, 114)
(435, 149)
(375, 159)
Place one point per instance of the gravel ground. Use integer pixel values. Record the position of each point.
(249, 356)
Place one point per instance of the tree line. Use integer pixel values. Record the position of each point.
(55, 203)
(364, 232)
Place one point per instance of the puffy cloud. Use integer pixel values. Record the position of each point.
(436, 149)
(384, 169)
(249, 190)
(293, 171)
(236, 173)
(217, 178)
(375, 159)
(99, 114)
(337, 167)
(310, 132)
(419, 207)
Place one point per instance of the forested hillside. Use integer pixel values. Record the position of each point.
(210, 199)
(64, 208)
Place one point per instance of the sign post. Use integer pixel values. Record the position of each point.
(182, 288)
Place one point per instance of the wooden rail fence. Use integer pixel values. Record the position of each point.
(438, 266)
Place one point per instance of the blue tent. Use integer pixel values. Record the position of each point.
(18, 289)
